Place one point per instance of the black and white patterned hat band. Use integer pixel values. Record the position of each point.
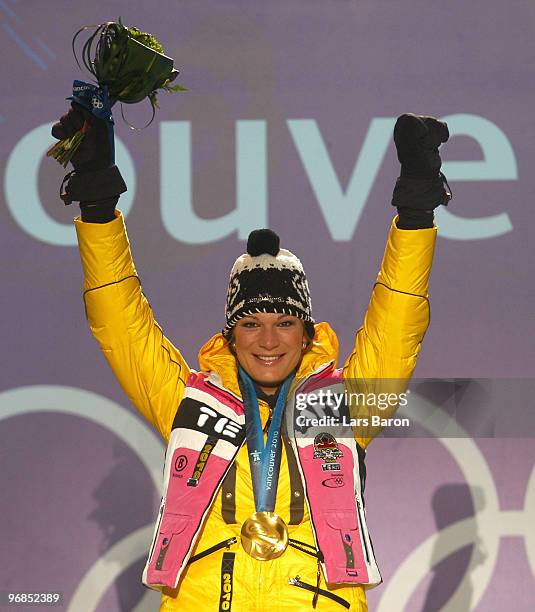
(267, 279)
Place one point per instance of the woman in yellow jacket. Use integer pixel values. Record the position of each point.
(244, 524)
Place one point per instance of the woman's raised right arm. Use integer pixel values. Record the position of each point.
(149, 368)
(147, 365)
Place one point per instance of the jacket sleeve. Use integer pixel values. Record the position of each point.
(387, 345)
(149, 368)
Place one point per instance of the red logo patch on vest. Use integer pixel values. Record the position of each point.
(326, 448)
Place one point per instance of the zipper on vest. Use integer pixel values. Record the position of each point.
(308, 549)
(317, 591)
(159, 522)
(225, 544)
(361, 523)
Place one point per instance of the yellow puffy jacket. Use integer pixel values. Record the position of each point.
(153, 374)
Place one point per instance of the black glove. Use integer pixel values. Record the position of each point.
(94, 152)
(95, 181)
(417, 140)
(421, 187)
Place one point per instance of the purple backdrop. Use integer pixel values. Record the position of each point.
(315, 86)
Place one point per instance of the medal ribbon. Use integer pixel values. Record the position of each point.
(264, 460)
(97, 101)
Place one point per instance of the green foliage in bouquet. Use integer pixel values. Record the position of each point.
(129, 65)
(129, 62)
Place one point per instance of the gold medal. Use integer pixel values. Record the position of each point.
(264, 536)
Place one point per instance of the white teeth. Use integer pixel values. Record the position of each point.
(268, 359)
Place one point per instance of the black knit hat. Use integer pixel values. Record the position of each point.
(267, 279)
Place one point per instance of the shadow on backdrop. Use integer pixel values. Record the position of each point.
(467, 401)
(124, 503)
(452, 503)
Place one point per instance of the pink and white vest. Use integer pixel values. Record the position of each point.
(208, 432)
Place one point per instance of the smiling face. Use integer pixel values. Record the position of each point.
(268, 346)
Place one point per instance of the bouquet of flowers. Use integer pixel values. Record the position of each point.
(128, 65)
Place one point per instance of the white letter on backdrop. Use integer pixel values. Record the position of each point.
(498, 164)
(21, 187)
(341, 211)
(178, 215)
